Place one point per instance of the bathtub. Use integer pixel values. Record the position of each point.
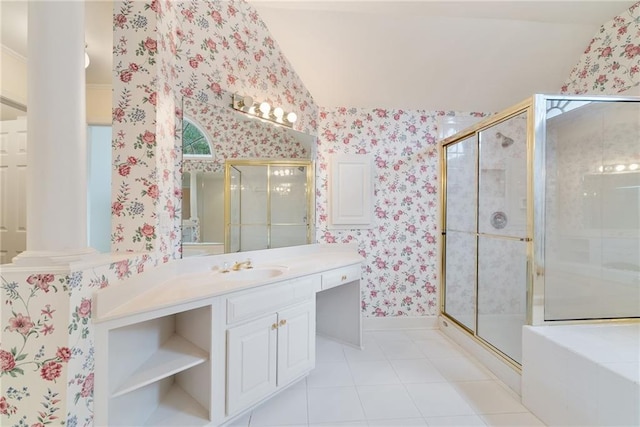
(582, 374)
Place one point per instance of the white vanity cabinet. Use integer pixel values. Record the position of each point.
(268, 353)
(270, 339)
(178, 348)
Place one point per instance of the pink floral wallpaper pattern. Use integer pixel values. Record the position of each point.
(400, 276)
(611, 62)
(46, 354)
(165, 51)
(206, 50)
(238, 138)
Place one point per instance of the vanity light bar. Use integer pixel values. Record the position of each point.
(263, 110)
(632, 167)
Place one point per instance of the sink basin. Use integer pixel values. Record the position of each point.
(254, 273)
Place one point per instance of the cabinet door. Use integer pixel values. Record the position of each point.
(296, 342)
(351, 191)
(251, 362)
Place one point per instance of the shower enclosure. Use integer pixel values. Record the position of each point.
(268, 204)
(541, 218)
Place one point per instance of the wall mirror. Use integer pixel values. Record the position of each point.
(214, 136)
(268, 204)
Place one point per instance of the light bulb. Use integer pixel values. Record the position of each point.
(247, 101)
(633, 166)
(620, 168)
(265, 108)
(292, 117)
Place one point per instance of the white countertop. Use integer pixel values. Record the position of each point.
(193, 279)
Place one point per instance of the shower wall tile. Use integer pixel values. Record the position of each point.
(503, 178)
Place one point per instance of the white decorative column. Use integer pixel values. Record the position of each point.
(56, 134)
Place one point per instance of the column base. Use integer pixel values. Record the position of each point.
(51, 258)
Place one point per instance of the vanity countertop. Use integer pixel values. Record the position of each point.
(193, 279)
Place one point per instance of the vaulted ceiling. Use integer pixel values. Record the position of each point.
(451, 55)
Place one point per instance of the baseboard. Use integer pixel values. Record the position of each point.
(403, 322)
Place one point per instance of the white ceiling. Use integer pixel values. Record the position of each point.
(450, 55)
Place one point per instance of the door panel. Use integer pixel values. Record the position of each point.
(13, 186)
(251, 362)
(296, 342)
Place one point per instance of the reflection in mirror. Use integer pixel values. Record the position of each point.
(592, 210)
(269, 204)
(211, 135)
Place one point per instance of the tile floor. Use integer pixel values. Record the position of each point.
(402, 378)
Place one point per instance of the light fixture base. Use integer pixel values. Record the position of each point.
(246, 104)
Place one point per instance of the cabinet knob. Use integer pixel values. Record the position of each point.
(274, 326)
(344, 277)
(283, 322)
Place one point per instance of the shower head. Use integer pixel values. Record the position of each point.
(506, 141)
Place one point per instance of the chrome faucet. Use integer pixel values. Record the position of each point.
(239, 265)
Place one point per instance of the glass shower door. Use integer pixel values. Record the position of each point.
(289, 206)
(253, 219)
(267, 204)
(460, 233)
(502, 235)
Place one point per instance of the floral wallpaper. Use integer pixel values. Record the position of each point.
(46, 353)
(611, 62)
(400, 277)
(236, 138)
(33, 320)
(165, 52)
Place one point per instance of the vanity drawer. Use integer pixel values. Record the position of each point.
(340, 276)
(267, 299)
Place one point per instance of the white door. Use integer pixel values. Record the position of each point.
(296, 342)
(13, 186)
(251, 362)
